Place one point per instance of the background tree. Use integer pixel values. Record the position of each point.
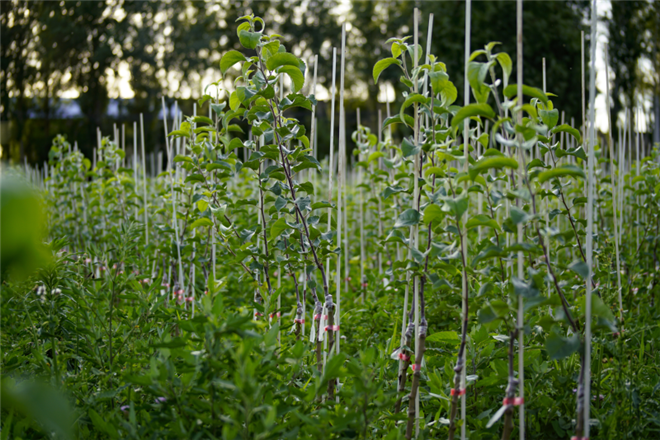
(556, 36)
(173, 48)
(634, 33)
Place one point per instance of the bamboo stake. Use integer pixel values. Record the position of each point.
(546, 186)
(144, 181)
(520, 318)
(361, 212)
(614, 204)
(638, 161)
(341, 175)
(135, 163)
(331, 170)
(312, 137)
(466, 134)
(172, 165)
(415, 229)
(584, 115)
(590, 219)
(380, 206)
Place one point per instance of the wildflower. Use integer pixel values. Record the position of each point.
(41, 293)
(125, 408)
(160, 400)
(55, 292)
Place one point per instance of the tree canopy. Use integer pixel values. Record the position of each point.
(172, 49)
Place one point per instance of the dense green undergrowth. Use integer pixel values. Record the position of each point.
(145, 327)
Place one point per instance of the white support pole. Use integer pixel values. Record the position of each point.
(466, 152)
(144, 182)
(614, 192)
(415, 205)
(520, 318)
(341, 175)
(590, 222)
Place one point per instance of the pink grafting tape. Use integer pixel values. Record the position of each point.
(334, 328)
(299, 321)
(317, 317)
(403, 357)
(453, 392)
(516, 401)
(416, 367)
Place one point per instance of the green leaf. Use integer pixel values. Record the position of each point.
(407, 119)
(432, 212)
(601, 313)
(101, 425)
(382, 65)
(486, 315)
(333, 367)
(489, 162)
(410, 100)
(457, 205)
(562, 171)
(506, 64)
(202, 205)
(387, 192)
(218, 108)
(580, 268)
(375, 156)
(512, 90)
(481, 220)
(234, 143)
(201, 222)
(408, 149)
(296, 76)
(280, 203)
(565, 128)
(234, 100)
(203, 119)
(446, 337)
(559, 347)
(278, 227)
(521, 288)
(518, 215)
(471, 110)
(249, 40)
(409, 217)
(549, 117)
(476, 76)
(282, 59)
(195, 178)
(229, 59)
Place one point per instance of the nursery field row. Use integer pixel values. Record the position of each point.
(485, 270)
